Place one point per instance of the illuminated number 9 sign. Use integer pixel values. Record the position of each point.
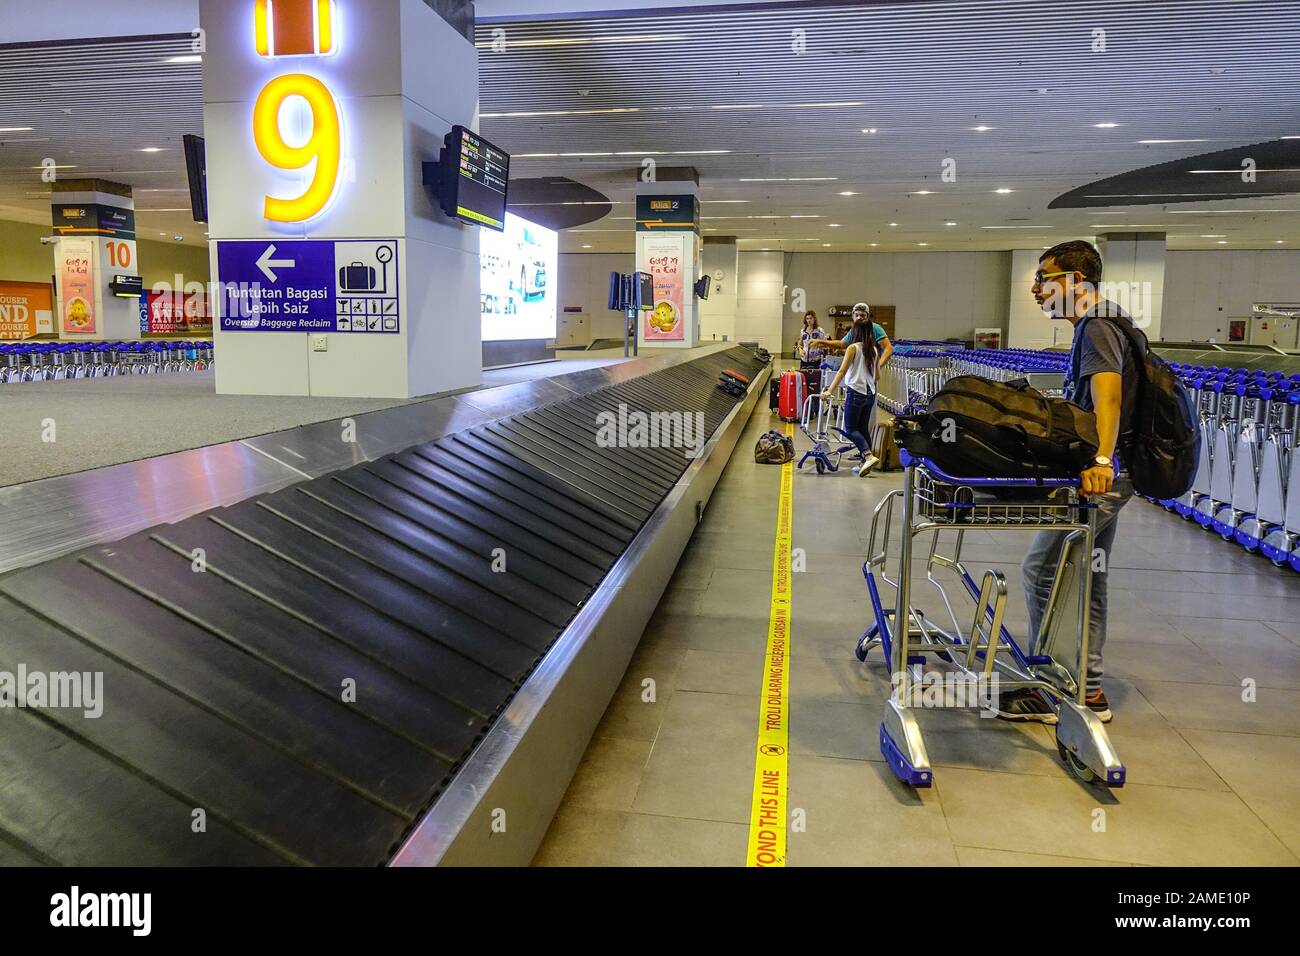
(298, 28)
(324, 146)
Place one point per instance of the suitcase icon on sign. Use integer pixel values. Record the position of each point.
(294, 27)
(357, 278)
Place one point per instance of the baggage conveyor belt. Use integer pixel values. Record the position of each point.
(229, 641)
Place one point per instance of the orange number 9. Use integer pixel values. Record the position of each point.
(325, 145)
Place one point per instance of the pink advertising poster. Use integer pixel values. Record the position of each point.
(77, 287)
(665, 260)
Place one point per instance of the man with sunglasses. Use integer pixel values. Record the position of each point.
(1104, 378)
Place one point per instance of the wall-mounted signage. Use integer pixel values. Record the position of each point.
(475, 179)
(76, 274)
(294, 27)
(175, 313)
(93, 219)
(667, 260)
(26, 309)
(309, 285)
(667, 214)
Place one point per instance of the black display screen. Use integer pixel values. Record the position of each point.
(478, 177)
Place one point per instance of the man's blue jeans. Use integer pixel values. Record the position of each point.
(1039, 570)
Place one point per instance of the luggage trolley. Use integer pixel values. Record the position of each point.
(934, 502)
(818, 421)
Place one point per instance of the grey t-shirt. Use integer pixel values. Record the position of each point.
(1100, 346)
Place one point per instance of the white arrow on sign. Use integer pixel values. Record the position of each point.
(266, 263)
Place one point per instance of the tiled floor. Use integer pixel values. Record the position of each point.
(1213, 779)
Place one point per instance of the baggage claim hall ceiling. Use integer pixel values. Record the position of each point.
(813, 127)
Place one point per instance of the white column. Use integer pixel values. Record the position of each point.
(760, 308)
(1134, 276)
(719, 260)
(399, 77)
(668, 247)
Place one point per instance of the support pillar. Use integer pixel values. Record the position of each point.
(337, 272)
(668, 247)
(94, 221)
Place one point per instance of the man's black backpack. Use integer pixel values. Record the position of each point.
(1164, 446)
(977, 428)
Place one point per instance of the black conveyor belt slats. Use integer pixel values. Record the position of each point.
(448, 666)
(309, 667)
(625, 505)
(531, 557)
(382, 775)
(630, 476)
(551, 484)
(594, 538)
(392, 698)
(616, 479)
(430, 562)
(652, 465)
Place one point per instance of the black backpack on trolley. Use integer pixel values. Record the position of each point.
(974, 427)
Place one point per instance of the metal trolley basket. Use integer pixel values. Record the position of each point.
(936, 503)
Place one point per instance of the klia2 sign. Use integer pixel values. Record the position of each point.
(298, 28)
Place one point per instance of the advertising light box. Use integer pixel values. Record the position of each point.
(518, 291)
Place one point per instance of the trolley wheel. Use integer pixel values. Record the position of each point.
(821, 467)
(1077, 766)
(863, 648)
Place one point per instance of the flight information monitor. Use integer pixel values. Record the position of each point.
(477, 179)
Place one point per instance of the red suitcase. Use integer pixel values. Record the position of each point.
(794, 389)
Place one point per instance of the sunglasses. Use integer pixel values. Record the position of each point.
(1040, 276)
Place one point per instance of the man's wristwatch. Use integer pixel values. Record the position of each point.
(1101, 461)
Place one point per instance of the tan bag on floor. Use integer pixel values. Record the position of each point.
(885, 448)
(774, 449)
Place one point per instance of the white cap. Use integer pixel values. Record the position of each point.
(862, 306)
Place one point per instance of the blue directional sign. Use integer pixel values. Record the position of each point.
(309, 285)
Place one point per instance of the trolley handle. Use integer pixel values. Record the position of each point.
(909, 460)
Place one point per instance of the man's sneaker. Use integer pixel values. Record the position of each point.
(871, 461)
(1025, 705)
(1098, 704)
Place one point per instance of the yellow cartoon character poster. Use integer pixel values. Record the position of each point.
(77, 287)
(664, 257)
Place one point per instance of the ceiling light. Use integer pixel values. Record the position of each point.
(1279, 241)
(1105, 125)
(871, 130)
(586, 247)
(826, 245)
(1155, 142)
(922, 243)
(875, 243)
(187, 58)
(53, 167)
(1003, 191)
(848, 194)
(893, 224)
(1213, 235)
(792, 179)
(15, 129)
(1222, 242)
(583, 41)
(834, 225)
(625, 109)
(923, 192)
(980, 129)
(152, 149)
(950, 223)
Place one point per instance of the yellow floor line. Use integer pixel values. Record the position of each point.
(768, 813)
